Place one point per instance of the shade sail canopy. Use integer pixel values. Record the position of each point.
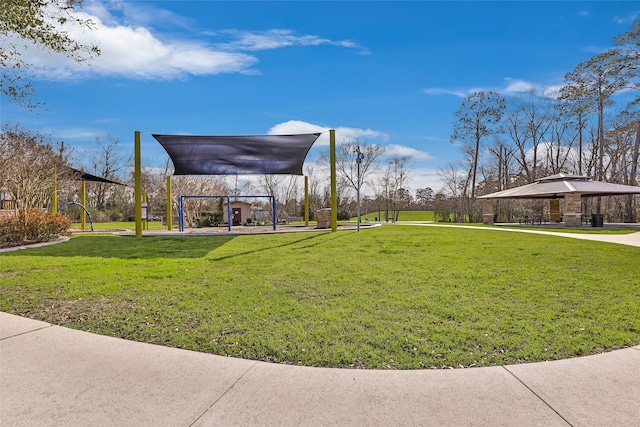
(93, 178)
(237, 155)
(559, 185)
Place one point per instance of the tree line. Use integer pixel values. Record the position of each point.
(589, 127)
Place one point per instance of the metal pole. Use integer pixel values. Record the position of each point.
(275, 213)
(359, 158)
(334, 197)
(54, 192)
(228, 213)
(145, 205)
(137, 175)
(180, 214)
(83, 200)
(169, 205)
(306, 201)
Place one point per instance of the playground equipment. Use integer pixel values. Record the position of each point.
(234, 155)
(82, 206)
(181, 201)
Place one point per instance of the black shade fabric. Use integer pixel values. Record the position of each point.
(237, 155)
(92, 178)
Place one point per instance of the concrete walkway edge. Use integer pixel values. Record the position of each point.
(55, 376)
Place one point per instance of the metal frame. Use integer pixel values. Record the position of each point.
(181, 208)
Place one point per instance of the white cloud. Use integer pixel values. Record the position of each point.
(342, 133)
(441, 91)
(135, 52)
(401, 150)
(626, 19)
(511, 87)
(131, 48)
(516, 86)
(278, 38)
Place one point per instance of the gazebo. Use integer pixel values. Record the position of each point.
(570, 187)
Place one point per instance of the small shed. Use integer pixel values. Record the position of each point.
(570, 187)
(240, 212)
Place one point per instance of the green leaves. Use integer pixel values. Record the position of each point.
(42, 25)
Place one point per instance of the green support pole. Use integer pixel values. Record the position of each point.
(54, 191)
(334, 198)
(306, 201)
(137, 176)
(83, 200)
(169, 206)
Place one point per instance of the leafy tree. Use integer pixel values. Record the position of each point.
(598, 79)
(42, 24)
(424, 196)
(629, 45)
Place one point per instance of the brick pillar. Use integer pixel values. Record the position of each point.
(554, 210)
(323, 218)
(487, 211)
(573, 210)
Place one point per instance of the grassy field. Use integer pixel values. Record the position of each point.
(394, 297)
(403, 216)
(122, 225)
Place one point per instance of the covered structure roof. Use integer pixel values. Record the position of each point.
(237, 155)
(557, 186)
(76, 173)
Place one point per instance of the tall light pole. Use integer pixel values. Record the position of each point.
(359, 158)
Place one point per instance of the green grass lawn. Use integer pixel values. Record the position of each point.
(394, 297)
(122, 225)
(403, 216)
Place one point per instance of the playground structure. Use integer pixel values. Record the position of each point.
(87, 213)
(233, 155)
(233, 215)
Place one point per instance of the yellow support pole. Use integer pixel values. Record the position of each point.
(54, 191)
(334, 197)
(169, 205)
(306, 201)
(137, 176)
(83, 200)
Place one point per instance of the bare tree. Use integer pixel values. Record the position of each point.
(478, 117)
(30, 167)
(395, 178)
(107, 161)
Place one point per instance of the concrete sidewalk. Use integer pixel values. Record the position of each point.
(629, 239)
(54, 376)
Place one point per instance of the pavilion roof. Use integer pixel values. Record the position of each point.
(556, 186)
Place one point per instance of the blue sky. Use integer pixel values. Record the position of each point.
(389, 73)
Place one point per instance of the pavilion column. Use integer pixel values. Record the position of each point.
(487, 211)
(573, 210)
(554, 210)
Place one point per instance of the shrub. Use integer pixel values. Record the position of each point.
(344, 215)
(33, 226)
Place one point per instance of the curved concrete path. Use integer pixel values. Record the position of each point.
(54, 376)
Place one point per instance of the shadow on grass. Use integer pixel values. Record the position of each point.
(126, 247)
(292, 243)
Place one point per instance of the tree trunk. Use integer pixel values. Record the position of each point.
(630, 211)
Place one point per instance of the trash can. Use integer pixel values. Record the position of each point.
(597, 220)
